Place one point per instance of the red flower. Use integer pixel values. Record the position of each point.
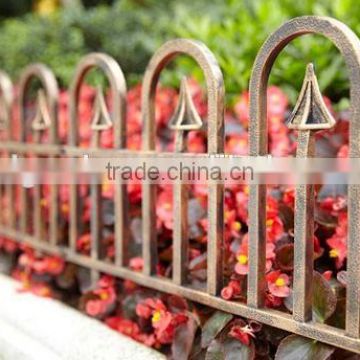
(8, 245)
(277, 101)
(237, 144)
(278, 284)
(337, 242)
(83, 243)
(242, 333)
(162, 320)
(241, 108)
(233, 289)
(343, 151)
(103, 302)
(164, 208)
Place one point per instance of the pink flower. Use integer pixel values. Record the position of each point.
(242, 266)
(278, 284)
(136, 263)
(94, 307)
(233, 289)
(227, 292)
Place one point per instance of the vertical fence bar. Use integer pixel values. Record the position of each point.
(310, 101)
(257, 246)
(353, 263)
(7, 98)
(101, 121)
(149, 247)
(180, 232)
(215, 86)
(348, 44)
(215, 238)
(37, 216)
(303, 237)
(122, 234)
(45, 118)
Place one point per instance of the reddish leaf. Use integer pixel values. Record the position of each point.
(285, 257)
(295, 347)
(213, 326)
(184, 339)
(229, 350)
(324, 298)
(215, 351)
(235, 350)
(198, 263)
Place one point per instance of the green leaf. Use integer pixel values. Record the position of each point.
(295, 347)
(213, 326)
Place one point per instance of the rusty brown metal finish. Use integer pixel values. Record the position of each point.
(45, 118)
(349, 46)
(309, 115)
(101, 121)
(180, 208)
(215, 124)
(6, 102)
(317, 331)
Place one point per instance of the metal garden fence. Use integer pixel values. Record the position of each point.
(301, 321)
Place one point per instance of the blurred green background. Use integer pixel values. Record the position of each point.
(58, 33)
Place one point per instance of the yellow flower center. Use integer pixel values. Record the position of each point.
(167, 206)
(65, 208)
(334, 253)
(104, 295)
(227, 215)
(236, 225)
(43, 202)
(280, 282)
(156, 316)
(269, 222)
(242, 259)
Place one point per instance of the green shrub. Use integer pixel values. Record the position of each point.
(131, 30)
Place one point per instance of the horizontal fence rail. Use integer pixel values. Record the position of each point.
(31, 140)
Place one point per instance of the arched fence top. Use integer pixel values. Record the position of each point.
(101, 119)
(349, 46)
(30, 232)
(214, 82)
(47, 100)
(341, 36)
(6, 102)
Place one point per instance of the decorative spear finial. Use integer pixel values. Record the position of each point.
(101, 119)
(42, 118)
(185, 116)
(310, 112)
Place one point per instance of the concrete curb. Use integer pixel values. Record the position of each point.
(44, 329)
